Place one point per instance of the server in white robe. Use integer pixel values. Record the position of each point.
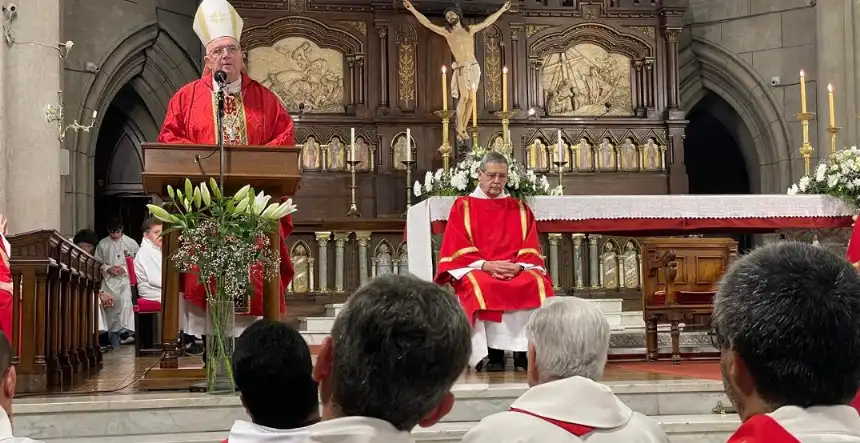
(115, 295)
(147, 262)
(568, 345)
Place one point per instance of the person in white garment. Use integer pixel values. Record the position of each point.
(787, 321)
(566, 403)
(115, 294)
(8, 380)
(395, 351)
(147, 262)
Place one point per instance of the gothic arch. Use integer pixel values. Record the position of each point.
(764, 135)
(604, 36)
(314, 30)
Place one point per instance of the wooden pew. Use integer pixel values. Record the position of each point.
(680, 277)
(55, 323)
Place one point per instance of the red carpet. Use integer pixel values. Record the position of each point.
(708, 370)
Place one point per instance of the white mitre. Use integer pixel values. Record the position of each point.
(216, 19)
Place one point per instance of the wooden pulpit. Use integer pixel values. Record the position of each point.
(276, 170)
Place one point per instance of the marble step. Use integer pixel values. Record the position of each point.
(607, 306)
(186, 413)
(708, 428)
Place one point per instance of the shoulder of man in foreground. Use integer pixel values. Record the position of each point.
(18, 440)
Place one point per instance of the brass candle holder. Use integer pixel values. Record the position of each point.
(806, 147)
(409, 164)
(559, 167)
(834, 131)
(475, 132)
(506, 124)
(446, 149)
(353, 207)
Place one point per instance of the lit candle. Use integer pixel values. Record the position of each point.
(352, 145)
(560, 149)
(408, 145)
(95, 114)
(802, 92)
(475, 107)
(832, 108)
(505, 89)
(444, 88)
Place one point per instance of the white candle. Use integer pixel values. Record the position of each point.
(95, 114)
(408, 145)
(560, 150)
(352, 145)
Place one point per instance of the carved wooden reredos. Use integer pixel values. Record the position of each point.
(603, 72)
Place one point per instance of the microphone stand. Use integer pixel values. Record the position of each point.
(219, 97)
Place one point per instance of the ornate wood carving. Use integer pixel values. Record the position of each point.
(598, 34)
(407, 42)
(492, 68)
(382, 31)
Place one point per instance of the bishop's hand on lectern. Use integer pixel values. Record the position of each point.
(491, 256)
(253, 115)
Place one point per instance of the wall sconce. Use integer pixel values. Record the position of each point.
(56, 113)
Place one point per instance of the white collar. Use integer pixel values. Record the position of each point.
(5, 425)
(576, 400)
(229, 88)
(245, 432)
(357, 430)
(148, 243)
(478, 193)
(817, 420)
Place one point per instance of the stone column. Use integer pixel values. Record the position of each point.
(553, 259)
(640, 87)
(516, 31)
(578, 262)
(322, 239)
(672, 68)
(382, 30)
(30, 146)
(649, 83)
(593, 260)
(340, 239)
(311, 275)
(363, 238)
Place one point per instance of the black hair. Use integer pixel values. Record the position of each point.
(273, 372)
(86, 236)
(114, 224)
(459, 12)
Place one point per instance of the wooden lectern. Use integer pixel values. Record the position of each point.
(275, 170)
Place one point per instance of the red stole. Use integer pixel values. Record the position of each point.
(761, 429)
(493, 229)
(573, 428)
(5, 296)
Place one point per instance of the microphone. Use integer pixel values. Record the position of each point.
(221, 78)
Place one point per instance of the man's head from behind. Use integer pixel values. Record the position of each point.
(567, 337)
(152, 228)
(86, 239)
(273, 372)
(493, 174)
(225, 54)
(785, 318)
(7, 374)
(394, 353)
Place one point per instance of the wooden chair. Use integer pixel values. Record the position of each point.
(679, 284)
(147, 318)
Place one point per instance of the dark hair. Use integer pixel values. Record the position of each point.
(114, 224)
(459, 12)
(86, 236)
(790, 311)
(273, 371)
(149, 223)
(398, 346)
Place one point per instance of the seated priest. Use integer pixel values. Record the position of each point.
(492, 257)
(253, 115)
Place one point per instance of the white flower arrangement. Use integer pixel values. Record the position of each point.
(462, 179)
(839, 176)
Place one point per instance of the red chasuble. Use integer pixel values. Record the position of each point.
(5, 296)
(492, 229)
(253, 117)
(762, 429)
(853, 253)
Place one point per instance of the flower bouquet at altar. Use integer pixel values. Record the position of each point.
(839, 176)
(462, 179)
(222, 240)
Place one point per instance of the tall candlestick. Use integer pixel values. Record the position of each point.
(475, 107)
(560, 151)
(408, 145)
(505, 89)
(832, 108)
(802, 92)
(444, 88)
(352, 145)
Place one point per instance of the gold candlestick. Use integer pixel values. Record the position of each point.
(445, 149)
(833, 130)
(476, 132)
(409, 165)
(353, 207)
(559, 166)
(506, 133)
(806, 148)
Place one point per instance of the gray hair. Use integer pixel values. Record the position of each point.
(399, 344)
(790, 311)
(492, 157)
(570, 337)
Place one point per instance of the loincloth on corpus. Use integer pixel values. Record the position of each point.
(471, 71)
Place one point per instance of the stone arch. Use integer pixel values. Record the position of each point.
(761, 130)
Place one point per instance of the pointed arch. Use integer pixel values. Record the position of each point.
(300, 246)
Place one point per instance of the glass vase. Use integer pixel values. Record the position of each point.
(220, 340)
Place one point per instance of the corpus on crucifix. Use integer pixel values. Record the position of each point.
(461, 40)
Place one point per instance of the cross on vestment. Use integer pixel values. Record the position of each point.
(218, 17)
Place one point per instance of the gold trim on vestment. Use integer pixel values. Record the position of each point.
(523, 219)
(541, 287)
(529, 251)
(478, 294)
(457, 254)
(239, 111)
(5, 257)
(467, 220)
(204, 27)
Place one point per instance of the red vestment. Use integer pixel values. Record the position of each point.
(853, 252)
(260, 120)
(762, 429)
(5, 296)
(493, 229)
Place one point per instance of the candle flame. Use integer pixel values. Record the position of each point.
(505, 70)
(444, 69)
(829, 87)
(802, 74)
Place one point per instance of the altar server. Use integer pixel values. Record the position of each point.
(492, 257)
(785, 318)
(6, 287)
(115, 295)
(568, 343)
(253, 115)
(147, 262)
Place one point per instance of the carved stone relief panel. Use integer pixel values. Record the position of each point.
(300, 255)
(629, 262)
(383, 259)
(403, 259)
(311, 154)
(300, 73)
(564, 147)
(336, 158)
(538, 157)
(628, 159)
(493, 68)
(609, 275)
(583, 79)
(398, 151)
(584, 155)
(606, 155)
(407, 42)
(363, 153)
(652, 155)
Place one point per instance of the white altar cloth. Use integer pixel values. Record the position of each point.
(596, 207)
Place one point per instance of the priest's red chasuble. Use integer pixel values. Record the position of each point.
(5, 296)
(762, 429)
(493, 229)
(853, 252)
(253, 116)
